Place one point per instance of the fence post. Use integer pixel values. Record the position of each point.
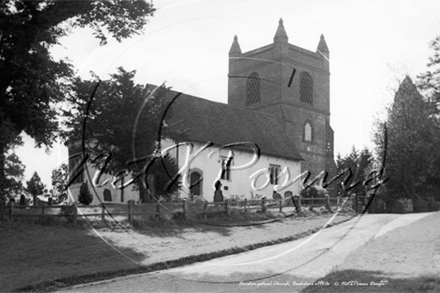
(263, 204)
(205, 210)
(281, 205)
(184, 208)
(11, 211)
(245, 205)
(43, 208)
(130, 204)
(329, 207)
(74, 213)
(102, 211)
(296, 203)
(157, 211)
(227, 207)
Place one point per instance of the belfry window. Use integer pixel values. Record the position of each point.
(253, 89)
(308, 132)
(306, 88)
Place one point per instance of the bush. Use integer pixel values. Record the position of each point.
(85, 197)
(422, 205)
(397, 207)
(67, 212)
(314, 191)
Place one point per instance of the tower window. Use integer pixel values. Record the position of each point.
(253, 89)
(306, 88)
(308, 132)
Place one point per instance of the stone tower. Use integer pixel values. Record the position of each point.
(293, 84)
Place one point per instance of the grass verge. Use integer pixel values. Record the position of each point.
(78, 257)
(373, 281)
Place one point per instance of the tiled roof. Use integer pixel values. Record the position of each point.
(222, 124)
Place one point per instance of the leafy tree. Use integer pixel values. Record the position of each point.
(14, 171)
(32, 83)
(85, 196)
(412, 157)
(35, 187)
(123, 120)
(429, 81)
(59, 183)
(359, 163)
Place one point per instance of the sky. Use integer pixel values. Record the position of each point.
(373, 46)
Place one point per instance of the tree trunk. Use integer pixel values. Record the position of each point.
(142, 191)
(2, 172)
(152, 192)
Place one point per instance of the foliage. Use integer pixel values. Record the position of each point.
(85, 196)
(360, 165)
(35, 187)
(123, 120)
(412, 159)
(67, 212)
(14, 171)
(313, 192)
(429, 81)
(59, 183)
(32, 83)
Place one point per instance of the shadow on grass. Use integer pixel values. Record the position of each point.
(31, 254)
(374, 281)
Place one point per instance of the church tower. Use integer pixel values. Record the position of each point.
(293, 84)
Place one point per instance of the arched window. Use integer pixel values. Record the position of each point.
(308, 132)
(306, 88)
(107, 195)
(253, 89)
(195, 183)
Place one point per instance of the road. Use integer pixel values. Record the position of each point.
(287, 267)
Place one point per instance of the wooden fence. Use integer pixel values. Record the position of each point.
(182, 209)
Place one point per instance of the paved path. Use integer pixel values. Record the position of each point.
(278, 268)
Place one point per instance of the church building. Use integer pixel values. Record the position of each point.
(293, 84)
(275, 126)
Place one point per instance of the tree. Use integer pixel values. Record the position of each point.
(35, 187)
(85, 197)
(359, 164)
(429, 81)
(59, 183)
(14, 171)
(124, 120)
(412, 158)
(32, 83)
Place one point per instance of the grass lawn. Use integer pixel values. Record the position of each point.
(374, 281)
(30, 254)
(46, 257)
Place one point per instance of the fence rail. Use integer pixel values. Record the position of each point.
(186, 209)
